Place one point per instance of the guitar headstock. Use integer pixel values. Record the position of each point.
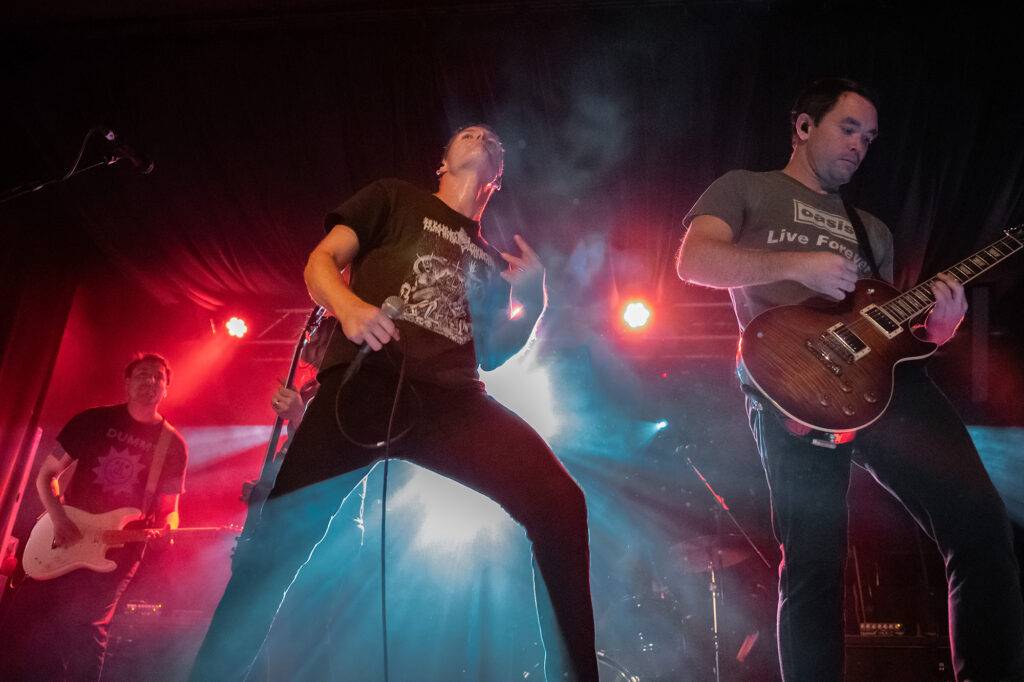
(1017, 232)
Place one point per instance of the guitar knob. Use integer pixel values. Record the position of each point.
(846, 387)
(871, 397)
(849, 411)
(824, 401)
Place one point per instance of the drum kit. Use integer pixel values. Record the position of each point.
(670, 637)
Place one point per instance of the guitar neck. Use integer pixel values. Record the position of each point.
(120, 537)
(920, 299)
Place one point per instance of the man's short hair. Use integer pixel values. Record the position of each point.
(492, 131)
(139, 358)
(821, 95)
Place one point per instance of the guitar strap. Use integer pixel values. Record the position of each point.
(163, 441)
(862, 236)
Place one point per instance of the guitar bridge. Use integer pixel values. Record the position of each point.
(823, 357)
(845, 343)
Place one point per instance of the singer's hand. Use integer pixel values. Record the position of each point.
(365, 323)
(525, 273)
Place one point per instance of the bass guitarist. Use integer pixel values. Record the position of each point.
(785, 237)
(123, 455)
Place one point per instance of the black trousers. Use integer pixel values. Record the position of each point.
(922, 454)
(56, 630)
(462, 434)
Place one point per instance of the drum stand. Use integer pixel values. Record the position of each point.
(714, 614)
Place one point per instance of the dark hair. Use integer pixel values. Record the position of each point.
(444, 154)
(821, 95)
(139, 358)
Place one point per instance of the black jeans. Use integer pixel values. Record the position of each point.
(462, 434)
(921, 453)
(56, 630)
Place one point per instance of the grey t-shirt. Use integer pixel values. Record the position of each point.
(772, 211)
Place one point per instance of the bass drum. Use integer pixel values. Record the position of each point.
(610, 671)
(648, 636)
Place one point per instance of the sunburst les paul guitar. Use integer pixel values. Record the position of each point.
(832, 370)
(100, 532)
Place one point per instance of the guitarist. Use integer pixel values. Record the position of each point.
(784, 237)
(57, 629)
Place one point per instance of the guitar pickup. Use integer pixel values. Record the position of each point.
(881, 321)
(845, 343)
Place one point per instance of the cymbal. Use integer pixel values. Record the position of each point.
(695, 554)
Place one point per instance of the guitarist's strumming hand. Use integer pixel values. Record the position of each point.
(65, 532)
(948, 313)
(826, 273)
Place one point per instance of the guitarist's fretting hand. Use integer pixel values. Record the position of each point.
(287, 403)
(948, 313)
(826, 273)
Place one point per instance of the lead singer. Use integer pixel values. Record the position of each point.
(396, 239)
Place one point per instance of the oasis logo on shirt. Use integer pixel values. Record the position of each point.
(836, 225)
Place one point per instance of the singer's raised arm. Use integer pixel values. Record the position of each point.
(504, 320)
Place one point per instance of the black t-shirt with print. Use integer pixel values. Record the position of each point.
(413, 245)
(114, 453)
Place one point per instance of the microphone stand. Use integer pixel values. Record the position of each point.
(713, 587)
(721, 503)
(110, 159)
(254, 494)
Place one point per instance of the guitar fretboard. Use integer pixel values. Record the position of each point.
(919, 299)
(119, 537)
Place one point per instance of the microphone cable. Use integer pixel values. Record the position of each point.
(384, 517)
(386, 444)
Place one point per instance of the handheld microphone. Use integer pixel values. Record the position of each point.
(393, 306)
(124, 151)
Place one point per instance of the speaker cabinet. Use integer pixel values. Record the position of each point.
(897, 659)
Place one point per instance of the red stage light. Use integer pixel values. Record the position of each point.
(515, 311)
(236, 327)
(636, 315)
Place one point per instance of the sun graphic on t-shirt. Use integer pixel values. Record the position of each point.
(118, 471)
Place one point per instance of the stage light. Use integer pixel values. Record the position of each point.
(661, 425)
(236, 327)
(515, 311)
(636, 314)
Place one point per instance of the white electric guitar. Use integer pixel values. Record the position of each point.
(100, 532)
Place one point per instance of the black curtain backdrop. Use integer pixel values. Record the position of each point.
(615, 118)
